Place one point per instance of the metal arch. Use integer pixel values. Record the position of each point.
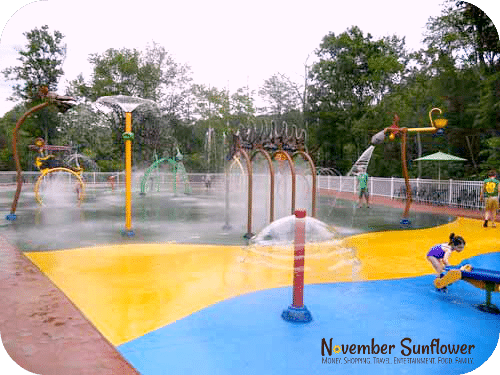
(45, 172)
(156, 165)
(238, 162)
(314, 179)
(147, 173)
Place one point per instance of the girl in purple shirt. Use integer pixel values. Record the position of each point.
(438, 255)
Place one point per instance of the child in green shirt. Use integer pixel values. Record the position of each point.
(489, 190)
(363, 187)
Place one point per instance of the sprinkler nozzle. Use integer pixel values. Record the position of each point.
(378, 138)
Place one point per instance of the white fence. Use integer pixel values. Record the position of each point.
(463, 194)
(455, 193)
(96, 180)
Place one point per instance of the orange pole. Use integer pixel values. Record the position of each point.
(405, 172)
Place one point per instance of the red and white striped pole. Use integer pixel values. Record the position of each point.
(297, 312)
(298, 258)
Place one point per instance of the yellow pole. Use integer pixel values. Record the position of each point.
(128, 173)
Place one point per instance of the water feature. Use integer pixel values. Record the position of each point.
(276, 159)
(282, 232)
(77, 161)
(268, 175)
(164, 217)
(59, 189)
(172, 177)
(127, 104)
(362, 162)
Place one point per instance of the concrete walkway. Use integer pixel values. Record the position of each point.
(42, 330)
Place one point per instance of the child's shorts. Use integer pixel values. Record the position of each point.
(491, 204)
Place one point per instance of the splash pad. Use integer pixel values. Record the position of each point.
(168, 282)
(144, 300)
(325, 248)
(277, 147)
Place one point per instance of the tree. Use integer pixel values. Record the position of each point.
(41, 65)
(466, 35)
(491, 154)
(152, 74)
(464, 49)
(210, 103)
(282, 95)
(463, 61)
(88, 131)
(353, 74)
(453, 74)
(242, 105)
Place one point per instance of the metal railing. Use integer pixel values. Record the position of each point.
(455, 193)
(99, 180)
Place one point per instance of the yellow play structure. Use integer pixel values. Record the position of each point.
(48, 165)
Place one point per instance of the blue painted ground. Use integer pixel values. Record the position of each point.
(246, 334)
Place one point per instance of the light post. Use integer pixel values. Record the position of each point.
(127, 104)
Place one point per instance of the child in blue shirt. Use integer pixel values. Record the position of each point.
(438, 255)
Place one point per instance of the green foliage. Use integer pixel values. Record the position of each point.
(282, 96)
(115, 73)
(359, 84)
(152, 74)
(41, 63)
(487, 111)
(110, 165)
(352, 92)
(353, 74)
(210, 102)
(491, 155)
(7, 125)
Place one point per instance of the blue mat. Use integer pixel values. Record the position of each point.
(246, 334)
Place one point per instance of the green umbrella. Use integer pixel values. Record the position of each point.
(439, 157)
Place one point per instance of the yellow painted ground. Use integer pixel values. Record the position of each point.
(397, 254)
(129, 290)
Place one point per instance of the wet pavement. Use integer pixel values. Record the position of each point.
(163, 217)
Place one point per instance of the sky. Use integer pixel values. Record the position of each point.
(228, 44)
